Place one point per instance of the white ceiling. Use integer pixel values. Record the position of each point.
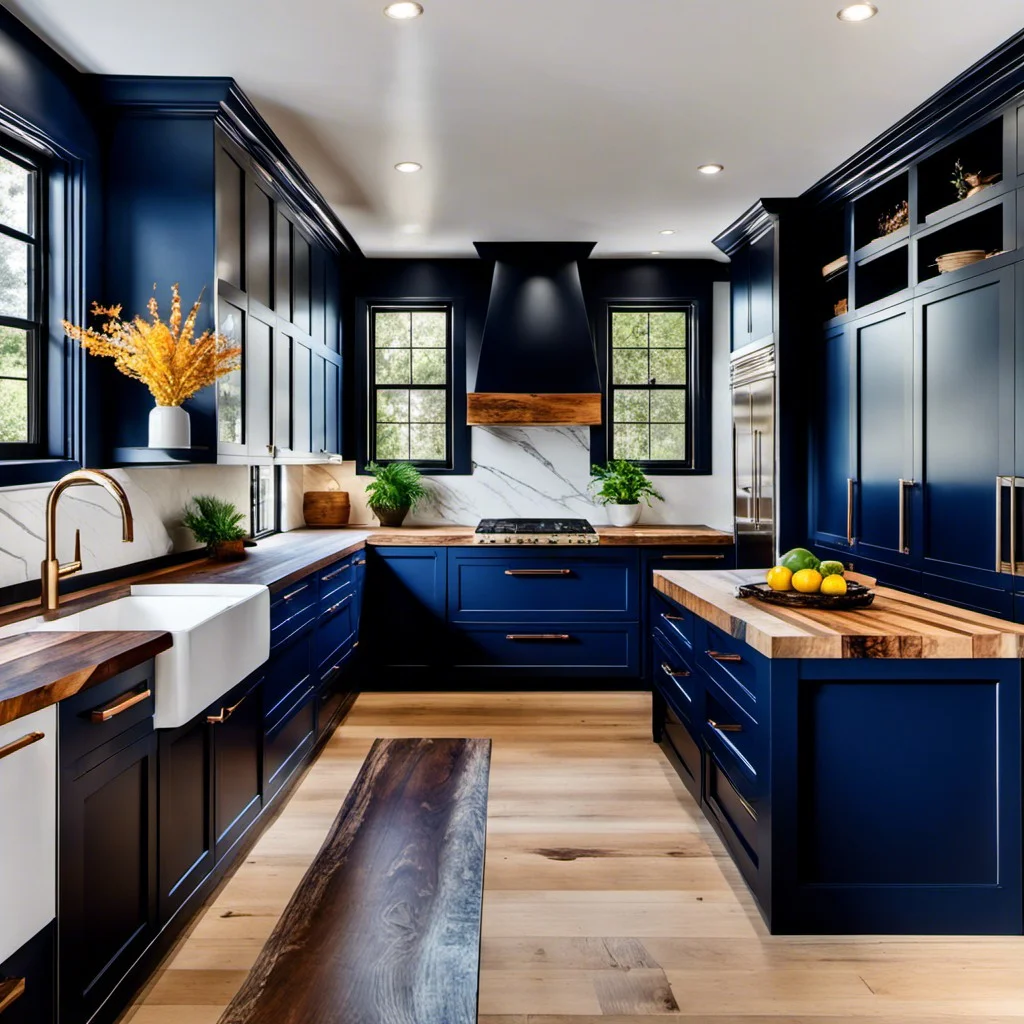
(548, 119)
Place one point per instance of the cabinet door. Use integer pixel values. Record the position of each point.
(237, 779)
(318, 425)
(965, 338)
(31, 968)
(832, 441)
(332, 407)
(283, 267)
(740, 276)
(301, 272)
(257, 387)
(258, 245)
(282, 385)
(107, 910)
(885, 433)
(230, 184)
(301, 409)
(762, 285)
(186, 808)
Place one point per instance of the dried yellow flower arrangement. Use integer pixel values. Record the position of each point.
(167, 357)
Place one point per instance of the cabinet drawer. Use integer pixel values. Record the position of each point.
(288, 741)
(335, 631)
(292, 611)
(673, 621)
(31, 968)
(685, 747)
(566, 649)
(337, 579)
(287, 674)
(101, 714)
(675, 679)
(733, 734)
(553, 586)
(731, 663)
(28, 827)
(736, 815)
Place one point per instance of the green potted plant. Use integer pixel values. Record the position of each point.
(396, 489)
(621, 485)
(217, 524)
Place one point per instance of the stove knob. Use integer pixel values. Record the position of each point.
(519, 540)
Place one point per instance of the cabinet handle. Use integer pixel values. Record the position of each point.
(334, 575)
(225, 713)
(904, 484)
(361, 561)
(295, 592)
(21, 744)
(694, 558)
(538, 572)
(724, 726)
(672, 618)
(1013, 526)
(537, 636)
(11, 990)
(674, 673)
(119, 705)
(335, 607)
(718, 656)
(849, 511)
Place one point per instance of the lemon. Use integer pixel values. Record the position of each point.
(780, 578)
(807, 581)
(833, 585)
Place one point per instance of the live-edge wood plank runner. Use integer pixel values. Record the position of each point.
(385, 926)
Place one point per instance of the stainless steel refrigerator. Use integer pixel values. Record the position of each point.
(752, 379)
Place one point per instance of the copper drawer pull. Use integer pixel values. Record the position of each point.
(11, 990)
(680, 673)
(21, 744)
(724, 727)
(538, 572)
(672, 618)
(225, 713)
(361, 561)
(119, 705)
(718, 656)
(335, 607)
(333, 575)
(537, 636)
(694, 558)
(295, 592)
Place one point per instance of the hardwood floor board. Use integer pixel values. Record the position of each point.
(604, 888)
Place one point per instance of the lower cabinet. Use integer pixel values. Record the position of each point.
(287, 741)
(31, 981)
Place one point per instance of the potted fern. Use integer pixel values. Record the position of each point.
(217, 524)
(620, 485)
(395, 490)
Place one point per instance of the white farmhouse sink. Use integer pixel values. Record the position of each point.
(221, 635)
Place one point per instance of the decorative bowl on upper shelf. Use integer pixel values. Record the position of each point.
(856, 596)
(950, 261)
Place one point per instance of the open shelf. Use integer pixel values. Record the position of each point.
(880, 203)
(883, 276)
(980, 152)
(982, 230)
(160, 456)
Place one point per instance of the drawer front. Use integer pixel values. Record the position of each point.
(718, 557)
(675, 679)
(547, 587)
(734, 736)
(338, 579)
(287, 674)
(293, 611)
(28, 827)
(612, 650)
(674, 622)
(287, 742)
(686, 749)
(736, 815)
(101, 714)
(732, 664)
(335, 630)
(32, 968)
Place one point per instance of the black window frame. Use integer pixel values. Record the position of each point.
(257, 527)
(697, 460)
(35, 324)
(427, 466)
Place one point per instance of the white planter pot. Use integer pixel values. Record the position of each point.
(623, 515)
(169, 427)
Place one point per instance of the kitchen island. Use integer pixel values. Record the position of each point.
(863, 768)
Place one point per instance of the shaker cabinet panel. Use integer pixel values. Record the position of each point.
(230, 185)
(762, 286)
(332, 407)
(258, 387)
(282, 385)
(283, 267)
(301, 408)
(301, 275)
(259, 252)
(318, 382)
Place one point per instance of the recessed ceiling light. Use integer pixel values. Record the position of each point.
(405, 10)
(711, 168)
(667, 231)
(857, 12)
(655, 252)
(408, 167)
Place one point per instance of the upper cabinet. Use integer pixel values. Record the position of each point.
(753, 272)
(213, 202)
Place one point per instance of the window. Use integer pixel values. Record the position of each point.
(649, 391)
(263, 500)
(410, 366)
(22, 373)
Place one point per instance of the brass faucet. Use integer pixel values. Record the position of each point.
(52, 571)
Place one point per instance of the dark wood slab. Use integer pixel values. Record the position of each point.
(39, 669)
(385, 926)
(11, 990)
(541, 410)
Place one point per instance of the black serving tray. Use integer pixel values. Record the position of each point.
(856, 596)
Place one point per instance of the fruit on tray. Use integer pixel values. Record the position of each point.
(807, 581)
(800, 558)
(831, 568)
(780, 578)
(834, 585)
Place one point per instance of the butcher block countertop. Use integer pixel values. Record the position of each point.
(896, 625)
(39, 669)
(615, 536)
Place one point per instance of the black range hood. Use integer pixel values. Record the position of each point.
(538, 364)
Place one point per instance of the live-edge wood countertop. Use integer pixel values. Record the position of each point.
(896, 625)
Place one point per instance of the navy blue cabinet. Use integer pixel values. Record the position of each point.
(33, 965)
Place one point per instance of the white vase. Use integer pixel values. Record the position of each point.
(169, 427)
(623, 515)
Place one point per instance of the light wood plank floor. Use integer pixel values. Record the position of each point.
(607, 898)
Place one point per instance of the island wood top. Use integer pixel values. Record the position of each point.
(896, 625)
(39, 669)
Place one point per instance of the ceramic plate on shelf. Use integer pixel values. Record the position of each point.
(856, 596)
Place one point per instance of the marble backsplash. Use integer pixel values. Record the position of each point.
(157, 497)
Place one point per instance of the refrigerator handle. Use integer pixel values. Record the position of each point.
(849, 511)
(754, 508)
(758, 481)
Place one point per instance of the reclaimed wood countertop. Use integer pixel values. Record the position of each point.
(896, 625)
(39, 669)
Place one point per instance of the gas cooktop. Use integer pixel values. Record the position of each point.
(536, 531)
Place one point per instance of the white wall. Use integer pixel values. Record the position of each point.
(544, 471)
(157, 497)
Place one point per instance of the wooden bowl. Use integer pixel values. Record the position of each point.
(856, 596)
(326, 508)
